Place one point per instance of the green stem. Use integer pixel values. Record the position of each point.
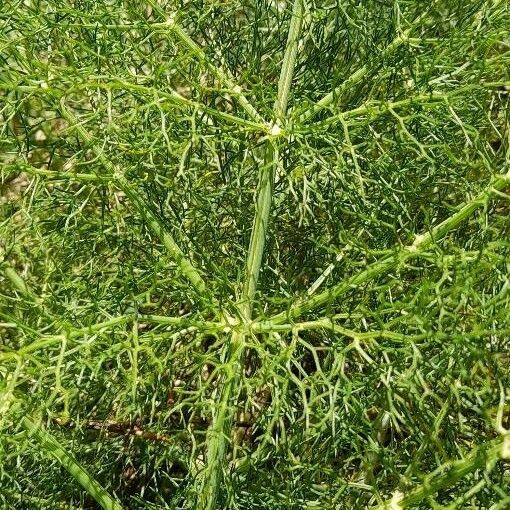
(450, 473)
(17, 281)
(49, 340)
(186, 267)
(111, 83)
(259, 229)
(289, 59)
(330, 325)
(375, 108)
(217, 71)
(359, 75)
(219, 432)
(73, 333)
(271, 161)
(421, 243)
(56, 175)
(52, 447)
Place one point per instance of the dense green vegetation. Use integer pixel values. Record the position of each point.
(255, 254)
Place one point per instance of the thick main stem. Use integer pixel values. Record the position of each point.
(219, 432)
(259, 230)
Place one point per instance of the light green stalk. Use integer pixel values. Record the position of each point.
(421, 243)
(52, 447)
(218, 435)
(217, 71)
(161, 96)
(448, 474)
(267, 172)
(331, 325)
(17, 282)
(219, 432)
(55, 175)
(173, 249)
(375, 108)
(359, 75)
(349, 82)
(100, 327)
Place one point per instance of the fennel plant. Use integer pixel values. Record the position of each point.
(255, 254)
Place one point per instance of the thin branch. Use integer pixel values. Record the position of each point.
(55, 175)
(420, 244)
(175, 252)
(372, 109)
(109, 83)
(101, 327)
(330, 324)
(217, 71)
(448, 474)
(356, 77)
(116, 427)
(52, 447)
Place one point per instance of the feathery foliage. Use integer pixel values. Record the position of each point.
(254, 254)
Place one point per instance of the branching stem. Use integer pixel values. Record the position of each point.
(173, 249)
(380, 267)
(219, 432)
